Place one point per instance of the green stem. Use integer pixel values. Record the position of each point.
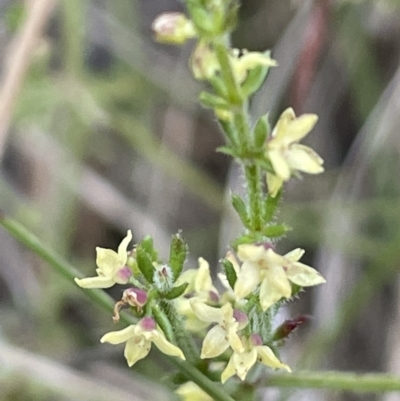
(21, 234)
(254, 188)
(377, 382)
(184, 342)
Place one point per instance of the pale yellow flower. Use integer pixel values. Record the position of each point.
(202, 289)
(241, 65)
(138, 340)
(286, 154)
(241, 362)
(224, 334)
(111, 265)
(274, 272)
(192, 392)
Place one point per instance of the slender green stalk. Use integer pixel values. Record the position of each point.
(61, 266)
(374, 383)
(254, 189)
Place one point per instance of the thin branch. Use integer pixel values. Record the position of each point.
(22, 49)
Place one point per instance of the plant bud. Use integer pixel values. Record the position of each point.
(173, 28)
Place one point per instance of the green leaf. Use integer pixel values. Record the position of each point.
(227, 151)
(261, 131)
(277, 230)
(177, 255)
(270, 206)
(175, 292)
(148, 245)
(144, 264)
(230, 132)
(243, 239)
(213, 101)
(254, 80)
(230, 272)
(241, 209)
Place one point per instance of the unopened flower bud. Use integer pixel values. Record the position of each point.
(135, 297)
(123, 275)
(173, 28)
(203, 62)
(148, 324)
(286, 328)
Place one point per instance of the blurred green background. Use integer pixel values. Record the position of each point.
(100, 132)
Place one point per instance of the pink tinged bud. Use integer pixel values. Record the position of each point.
(256, 340)
(268, 245)
(148, 324)
(240, 316)
(135, 297)
(213, 296)
(286, 328)
(172, 28)
(123, 275)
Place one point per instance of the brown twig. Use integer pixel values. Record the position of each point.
(22, 48)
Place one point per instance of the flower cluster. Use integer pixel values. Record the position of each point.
(257, 283)
(176, 309)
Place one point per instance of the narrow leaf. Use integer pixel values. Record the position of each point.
(241, 209)
(274, 231)
(230, 272)
(213, 101)
(261, 131)
(177, 255)
(144, 264)
(148, 245)
(270, 206)
(255, 78)
(175, 292)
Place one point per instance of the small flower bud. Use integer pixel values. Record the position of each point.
(204, 63)
(256, 340)
(148, 324)
(173, 28)
(135, 297)
(286, 328)
(123, 275)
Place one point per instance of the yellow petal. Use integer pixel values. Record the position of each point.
(215, 343)
(303, 275)
(135, 349)
(300, 127)
(204, 312)
(252, 253)
(247, 279)
(280, 164)
(165, 346)
(95, 282)
(229, 371)
(294, 255)
(118, 337)
(268, 358)
(122, 249)
(203, 280)
(279, 132)
(107, 261)
(274, 287)
(274, 184)
(303, 158)
(243, 362)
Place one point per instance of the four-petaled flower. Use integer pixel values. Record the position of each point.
(241, 362)
(111, 265)
(201, 288)
(224, 334)
(286, 154)
(138, 340)
(274, 272)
